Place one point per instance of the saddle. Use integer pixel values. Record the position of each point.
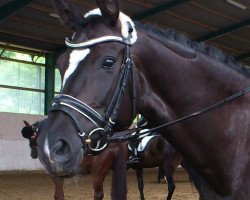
(142, 143)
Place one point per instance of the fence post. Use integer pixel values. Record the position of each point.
(49, 81)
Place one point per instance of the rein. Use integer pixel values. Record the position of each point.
(140, 131)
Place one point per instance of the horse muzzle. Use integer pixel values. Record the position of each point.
(61, 158)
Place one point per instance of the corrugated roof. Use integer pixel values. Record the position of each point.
(215, 21)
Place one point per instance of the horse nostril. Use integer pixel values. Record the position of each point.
(61, 151)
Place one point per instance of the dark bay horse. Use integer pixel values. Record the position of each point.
(156, 152)
(114, 69)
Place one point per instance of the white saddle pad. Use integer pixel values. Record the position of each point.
(143, 143)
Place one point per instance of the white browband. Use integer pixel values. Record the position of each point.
(99, 40)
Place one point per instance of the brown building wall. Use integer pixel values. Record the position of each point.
(14, 149)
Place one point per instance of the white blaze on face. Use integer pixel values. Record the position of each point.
(75, 58)
(124, 19)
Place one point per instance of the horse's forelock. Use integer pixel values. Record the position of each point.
(96, 11)
(124, 20)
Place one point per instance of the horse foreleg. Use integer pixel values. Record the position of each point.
(139, 175)
(160, 174)
(59, 194)
(98, 187)
(171, 185)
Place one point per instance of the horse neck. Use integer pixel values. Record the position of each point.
(171, 72)
(174, 82)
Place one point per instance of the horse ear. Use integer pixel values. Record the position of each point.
(36, 125)
(26, 123)
(110, 10)
(69, 14)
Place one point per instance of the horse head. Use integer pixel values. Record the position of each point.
(97, 86)
(29, 132)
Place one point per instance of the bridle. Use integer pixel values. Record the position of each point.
(103, 123)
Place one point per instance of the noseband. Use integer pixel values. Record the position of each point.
(104, 123)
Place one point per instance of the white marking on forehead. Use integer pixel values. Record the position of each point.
(124, 19)
(75, 58)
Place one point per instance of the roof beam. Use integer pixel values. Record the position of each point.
(242, 56)
(9, 8)
(223, 31)
(158, 9)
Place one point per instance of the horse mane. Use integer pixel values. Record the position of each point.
(203, 48)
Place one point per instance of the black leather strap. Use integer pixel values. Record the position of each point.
(87, 110)
(70, 114)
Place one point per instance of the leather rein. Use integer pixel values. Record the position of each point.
(140, 131)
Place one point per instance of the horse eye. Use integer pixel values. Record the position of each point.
(109, 62)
